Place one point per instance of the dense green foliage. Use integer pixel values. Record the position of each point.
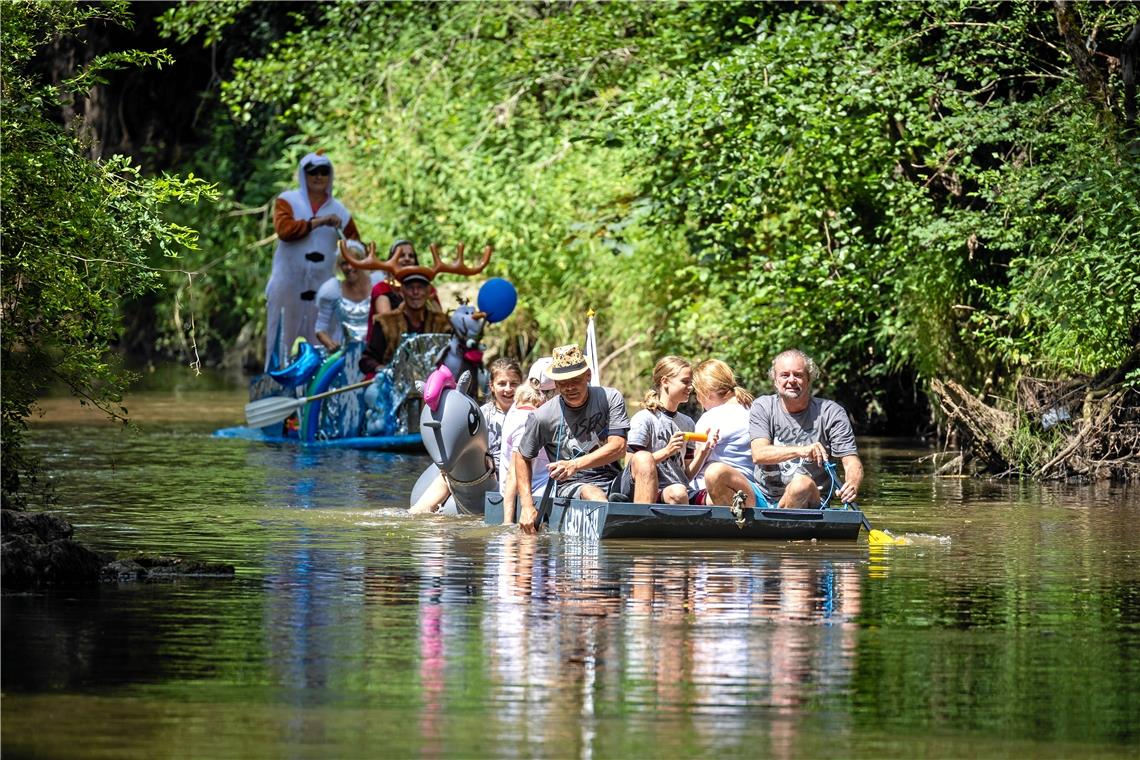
(76, 233)
(909, 189)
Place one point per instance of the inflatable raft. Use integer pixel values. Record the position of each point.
(383, 417)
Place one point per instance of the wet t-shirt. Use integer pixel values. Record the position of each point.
(567, 433)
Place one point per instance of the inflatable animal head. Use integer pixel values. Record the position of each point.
(452, 427)
(467, 325)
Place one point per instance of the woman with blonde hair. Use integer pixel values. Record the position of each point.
(342, 301)
(662, 458)
(729, 465)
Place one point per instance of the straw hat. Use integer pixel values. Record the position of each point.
(568, 362)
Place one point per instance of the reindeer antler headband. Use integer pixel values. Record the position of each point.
(438, 266)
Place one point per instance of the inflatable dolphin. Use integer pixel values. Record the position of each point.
(455, 436)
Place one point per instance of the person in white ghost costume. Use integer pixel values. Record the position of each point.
(308, 221)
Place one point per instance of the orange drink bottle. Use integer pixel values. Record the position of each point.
(701, 437)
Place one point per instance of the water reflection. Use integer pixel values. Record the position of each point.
(355, 630)
(708, 641)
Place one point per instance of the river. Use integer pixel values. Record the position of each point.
(1009, 626)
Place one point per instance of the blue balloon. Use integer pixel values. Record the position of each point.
(497, 297)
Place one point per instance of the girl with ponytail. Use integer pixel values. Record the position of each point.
(729, 466)
(663, 455)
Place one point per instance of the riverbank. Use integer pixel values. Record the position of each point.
(1079, 429)
(38, 549)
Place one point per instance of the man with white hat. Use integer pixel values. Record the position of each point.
(583, 433)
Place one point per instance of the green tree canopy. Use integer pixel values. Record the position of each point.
(920, 190)
(75, 234)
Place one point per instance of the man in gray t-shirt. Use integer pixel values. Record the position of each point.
(583, 432)
(794, 434)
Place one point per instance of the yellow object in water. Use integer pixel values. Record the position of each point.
(881, 537)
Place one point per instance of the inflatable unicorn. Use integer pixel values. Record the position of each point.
(455, 436)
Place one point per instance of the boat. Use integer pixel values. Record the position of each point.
(596, 520)
(383, 417)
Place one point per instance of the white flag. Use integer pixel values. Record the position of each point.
(592, 349)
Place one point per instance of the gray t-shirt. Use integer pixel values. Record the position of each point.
(651, 431)
(494, 417)
(566, 433)
(823, 421)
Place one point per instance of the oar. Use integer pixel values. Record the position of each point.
(267, 411)
(878, 536)
(544, 505)
(873, 536)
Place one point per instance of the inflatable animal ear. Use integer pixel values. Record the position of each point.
(464, 381)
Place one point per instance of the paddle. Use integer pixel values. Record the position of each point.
(267, 411)
(544, 504)
(547, 495)
(873, 536)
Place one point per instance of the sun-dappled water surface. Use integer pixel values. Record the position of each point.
(1009, 626)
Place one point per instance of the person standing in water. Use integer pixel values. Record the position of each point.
(308, 222)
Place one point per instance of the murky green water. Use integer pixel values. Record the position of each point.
(1010, 627)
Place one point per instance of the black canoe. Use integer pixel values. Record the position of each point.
(598, 519)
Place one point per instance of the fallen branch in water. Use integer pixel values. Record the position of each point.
(1076, 429)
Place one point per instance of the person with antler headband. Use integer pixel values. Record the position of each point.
(386, 294)
(411, 316)
(308, 222)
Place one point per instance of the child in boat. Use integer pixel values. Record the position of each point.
(506, 375)
(528, 397)
(729, 467)
(662, 458)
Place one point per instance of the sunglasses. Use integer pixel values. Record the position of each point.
(319, 171)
